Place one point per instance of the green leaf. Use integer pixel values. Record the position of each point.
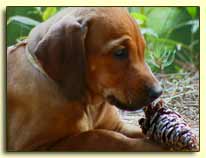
(21, 38)
(139, 17)
(22, 20)
(50, 11)
(169, 58)
(192, 11)
(195, 26)
(152, 61)
(193, 23)
(149, 31)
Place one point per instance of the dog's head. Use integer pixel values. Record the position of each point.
(100, 50)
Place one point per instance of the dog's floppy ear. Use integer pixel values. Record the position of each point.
(60, 50)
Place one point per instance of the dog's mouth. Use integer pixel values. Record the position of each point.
(123, 106)
(126, 106)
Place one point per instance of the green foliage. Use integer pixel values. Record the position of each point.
(49, 11)
(20, 20)
(160, 56)
(23, 20)
(192, 11)
(139, 17)
(172, 36)
(171, 33)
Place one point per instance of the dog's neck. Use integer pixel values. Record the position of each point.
(94, 99)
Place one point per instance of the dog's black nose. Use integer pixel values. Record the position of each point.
(155, 91)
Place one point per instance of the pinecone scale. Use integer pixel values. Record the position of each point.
(167, 127)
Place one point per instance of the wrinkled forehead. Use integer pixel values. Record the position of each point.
(114, 20)
(112, 24)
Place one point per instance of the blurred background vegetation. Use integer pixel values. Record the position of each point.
(171, 33)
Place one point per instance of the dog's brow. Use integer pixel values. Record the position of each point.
(115, 43)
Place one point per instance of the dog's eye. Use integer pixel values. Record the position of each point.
(121, 54)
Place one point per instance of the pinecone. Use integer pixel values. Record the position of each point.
(167, 127)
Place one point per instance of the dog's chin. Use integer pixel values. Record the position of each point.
(123, 106)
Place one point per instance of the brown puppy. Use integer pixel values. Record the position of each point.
(65, 82)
